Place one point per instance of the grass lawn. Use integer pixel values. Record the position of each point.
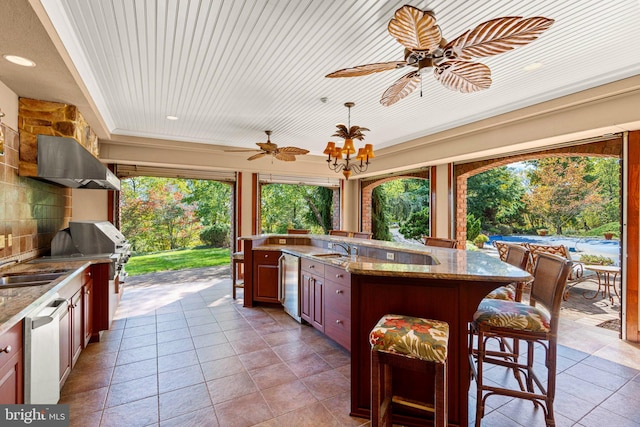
(177, 260)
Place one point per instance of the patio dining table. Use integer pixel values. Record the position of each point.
(607, 275)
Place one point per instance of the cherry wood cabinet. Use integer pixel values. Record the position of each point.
(312, 293)
(265, 269)
(11, 366)
(337, 305)
(104, 299)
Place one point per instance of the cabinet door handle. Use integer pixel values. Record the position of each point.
(339, 321)
(339, 276)
(338, 291)
(312, 266)
(266, 256)
(7, 349)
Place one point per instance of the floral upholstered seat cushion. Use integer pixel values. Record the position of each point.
(411, 336)
(507, 293)
(513, 315)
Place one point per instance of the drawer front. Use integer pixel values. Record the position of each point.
(337, 275)
(338, 328)
(266, 257)
(11, 342)
(312, 266)
(338, 298)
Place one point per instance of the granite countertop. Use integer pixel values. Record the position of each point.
(17, 302)
(451, 264)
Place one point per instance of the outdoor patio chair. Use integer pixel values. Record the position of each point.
(576, 275)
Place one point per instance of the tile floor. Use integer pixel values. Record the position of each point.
(182, 352)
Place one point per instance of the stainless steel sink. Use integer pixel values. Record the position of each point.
(329, 255)
(14, 280)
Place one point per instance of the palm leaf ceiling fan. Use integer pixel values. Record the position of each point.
(286, 154)
(424, 47)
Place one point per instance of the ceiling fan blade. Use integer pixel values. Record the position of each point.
(415, 29)
(267, 146)
(294, 151)
(401, 88)
(285, 157)
(257, 156)
(463, 76)
(363, 70)
(498, 35)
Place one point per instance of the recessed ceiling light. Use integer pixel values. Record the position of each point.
(533, 66)
(172, 117)
(19, 60)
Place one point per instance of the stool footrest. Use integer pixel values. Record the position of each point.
(413, 404)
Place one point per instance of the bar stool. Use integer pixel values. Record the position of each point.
(524, 322)
(411, 343)
(440, 242)
(236, 259)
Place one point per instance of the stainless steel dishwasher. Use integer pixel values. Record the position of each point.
(288, 284)
(42, 352)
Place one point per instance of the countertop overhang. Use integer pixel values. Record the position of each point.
(449, 264)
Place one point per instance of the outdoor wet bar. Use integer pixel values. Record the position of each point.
(346, 285)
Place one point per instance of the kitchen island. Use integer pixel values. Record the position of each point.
(385, 277)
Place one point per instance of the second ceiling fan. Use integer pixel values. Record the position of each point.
(286, 154)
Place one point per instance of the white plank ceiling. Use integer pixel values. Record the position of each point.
(230, 69)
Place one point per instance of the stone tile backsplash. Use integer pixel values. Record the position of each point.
(31, 211)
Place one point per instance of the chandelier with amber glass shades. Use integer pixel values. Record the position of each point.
(340, 159)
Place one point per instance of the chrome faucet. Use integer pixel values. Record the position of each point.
(350, 250)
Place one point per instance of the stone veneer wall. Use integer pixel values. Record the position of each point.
(31, 211)
(49, 118)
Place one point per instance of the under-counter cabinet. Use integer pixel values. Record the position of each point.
(265, 268)
(11, 366)
(337, 305)
(73, 327)
(312, 293)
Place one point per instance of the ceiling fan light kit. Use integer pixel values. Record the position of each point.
(424, 47)
(335, 154)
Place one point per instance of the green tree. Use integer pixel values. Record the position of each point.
(379, 215)
(417, 225)
(607, 172)
(285, 206)
(496, 197)
(212, 200)
(561, 189)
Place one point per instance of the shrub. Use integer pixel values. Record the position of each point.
(480, 239)
(216, 235)
(595, 259)
(473, 227)
(416, 226)
(504, 229)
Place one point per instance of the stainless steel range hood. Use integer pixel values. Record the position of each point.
(66, 162)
